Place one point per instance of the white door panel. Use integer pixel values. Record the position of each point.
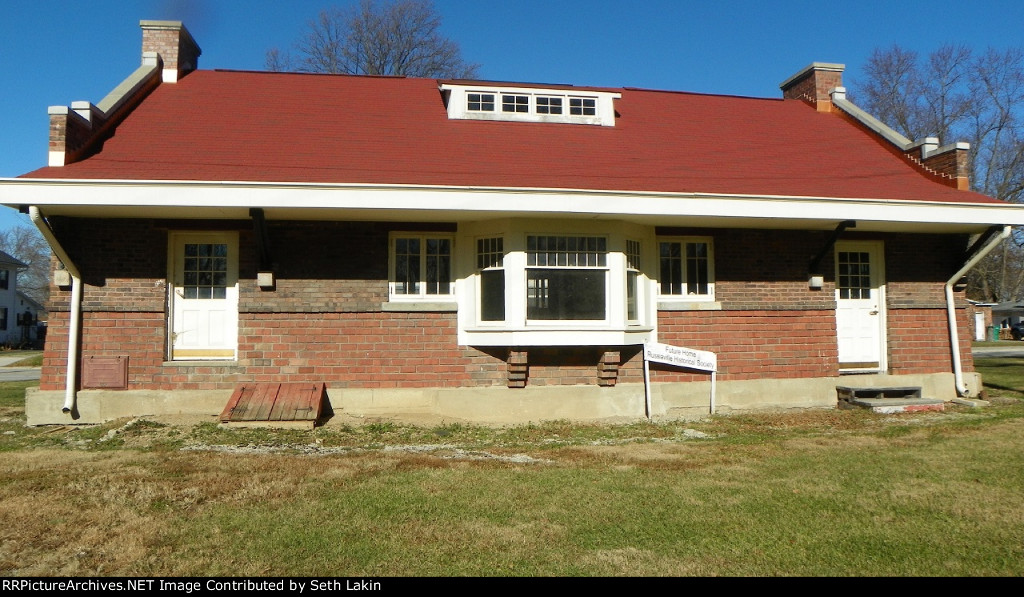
(204, 295)
(860, 306)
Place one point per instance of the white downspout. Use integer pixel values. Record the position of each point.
(76, 305)
(954, 336)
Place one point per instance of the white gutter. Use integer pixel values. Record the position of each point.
(954, 337)
(76, 306)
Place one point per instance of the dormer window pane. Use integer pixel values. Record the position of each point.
(549, 105)
(581, 106)
(515, 103)
(481, 102)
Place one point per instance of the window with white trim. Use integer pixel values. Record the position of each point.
(566, 278)
(5, 277)
(480, 102)
(549, 104)
(515, 103)
(686, 268)
(632, 280)
(531, 104)
(490, 262)
(421, 266)
(582, 106)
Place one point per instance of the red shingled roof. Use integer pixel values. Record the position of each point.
(281, 127)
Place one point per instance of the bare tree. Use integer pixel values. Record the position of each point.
(958, 95)
(397, 37)
(25, 243)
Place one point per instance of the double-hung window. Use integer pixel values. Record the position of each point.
(566, 278)
(421, 266)
(632, 280)
(686, 269)
(490, 263)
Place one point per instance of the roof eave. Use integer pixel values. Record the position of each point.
(290, 200)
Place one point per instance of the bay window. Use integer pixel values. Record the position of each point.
(531, 282)
(566, 277)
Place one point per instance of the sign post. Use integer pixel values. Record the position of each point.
(678, 356)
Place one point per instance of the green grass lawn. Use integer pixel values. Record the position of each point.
(816, 493)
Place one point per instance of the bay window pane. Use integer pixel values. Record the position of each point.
(565, 294)
(492, 295)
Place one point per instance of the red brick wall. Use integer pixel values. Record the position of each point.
(324, 319)
(919, 341)
(753, 344)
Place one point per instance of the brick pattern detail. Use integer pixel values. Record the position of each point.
(359, 350)
(69, 133)
(919, 341)
(518, 367)
(752, 344)
(815, 88)
(917, 267)
(608, 368)
(123, 264)
(328, 279)
(174, 45)
(952, 164)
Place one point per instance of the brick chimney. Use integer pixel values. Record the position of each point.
(814, 84)
(172, 42)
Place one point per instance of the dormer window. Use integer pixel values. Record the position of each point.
(568, 106)
(582, 106)
(480, 102)
(515, 103)
(549, 105)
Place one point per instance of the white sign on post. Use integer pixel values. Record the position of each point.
(656, 352)
(680, 357)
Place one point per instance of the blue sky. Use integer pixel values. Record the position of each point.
(56, 52)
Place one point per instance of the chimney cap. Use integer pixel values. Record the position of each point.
(812, 67)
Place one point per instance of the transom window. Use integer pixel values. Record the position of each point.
(685, 268)
(566, 277)
(205, 271)
(421, 265)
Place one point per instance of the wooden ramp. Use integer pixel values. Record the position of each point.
(291, 405)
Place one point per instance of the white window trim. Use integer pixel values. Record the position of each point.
(426, 301)
(686, 301)
(516, 329)
(458, 104)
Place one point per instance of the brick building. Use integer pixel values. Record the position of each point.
(492, 252)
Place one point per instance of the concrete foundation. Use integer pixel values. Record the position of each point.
(501, 405)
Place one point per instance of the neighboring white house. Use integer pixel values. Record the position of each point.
(10, 301)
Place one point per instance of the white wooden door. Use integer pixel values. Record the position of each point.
(204, 295)
(860, 306)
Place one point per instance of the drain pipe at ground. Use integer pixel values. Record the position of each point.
(76, 305)
(954, 336)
